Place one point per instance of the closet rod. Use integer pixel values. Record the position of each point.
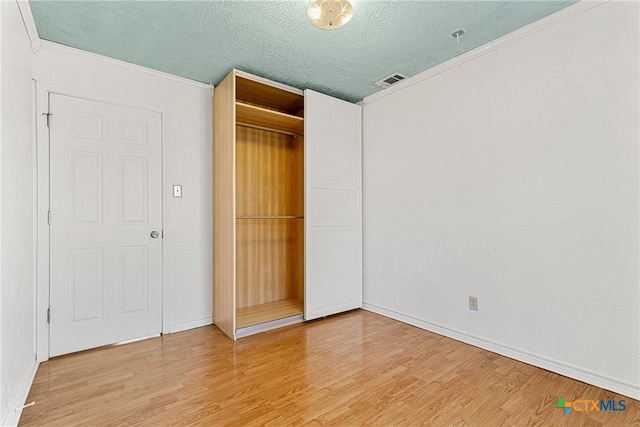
(270, 217)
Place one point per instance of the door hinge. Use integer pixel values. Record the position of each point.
(49, 315)
(48, 118)
(49, 217)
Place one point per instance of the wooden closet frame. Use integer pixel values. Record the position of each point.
(258, 136)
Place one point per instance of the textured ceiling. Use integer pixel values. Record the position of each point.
(204, 40)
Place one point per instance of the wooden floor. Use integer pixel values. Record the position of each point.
(348, 370)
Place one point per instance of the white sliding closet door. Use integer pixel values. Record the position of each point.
(333, 205)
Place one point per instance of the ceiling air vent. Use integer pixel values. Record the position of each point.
(391, 80)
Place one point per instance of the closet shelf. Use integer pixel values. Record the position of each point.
(262, 313)
(251, 115)
(271, 217)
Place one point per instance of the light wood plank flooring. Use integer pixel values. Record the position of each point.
(348, 370)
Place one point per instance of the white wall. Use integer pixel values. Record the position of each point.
(513, 177)
(17, 261)
(186, 108)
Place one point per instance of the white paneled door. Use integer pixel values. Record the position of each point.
(333, 205)
(106, 224)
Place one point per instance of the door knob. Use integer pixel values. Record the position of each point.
(154, 234)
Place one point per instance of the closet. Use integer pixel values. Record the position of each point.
(287, 197)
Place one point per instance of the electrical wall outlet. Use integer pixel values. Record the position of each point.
(473, 303)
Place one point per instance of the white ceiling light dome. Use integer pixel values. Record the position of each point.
(330, 14)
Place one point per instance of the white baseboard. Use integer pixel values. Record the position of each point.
(190, 325)
(589, 377)
(19, 398)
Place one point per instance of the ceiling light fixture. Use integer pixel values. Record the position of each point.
(330, 14)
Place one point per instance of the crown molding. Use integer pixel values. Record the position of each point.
(37, 43)
(29, 24)
(540, 25)
(79, 52)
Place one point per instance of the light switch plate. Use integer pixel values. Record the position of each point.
(177, 191)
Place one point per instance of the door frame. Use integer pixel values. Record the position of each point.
(43, 91)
